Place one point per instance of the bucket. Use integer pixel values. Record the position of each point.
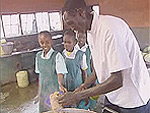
(7, 48)
(22, 79)
(2, 42)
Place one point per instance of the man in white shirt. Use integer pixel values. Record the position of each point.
(118, 63)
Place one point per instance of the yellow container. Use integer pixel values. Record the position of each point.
(2, 42)
(2, 52)
(22, 79)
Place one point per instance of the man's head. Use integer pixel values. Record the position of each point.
(45, 40)
(69, 40)
(75, 15)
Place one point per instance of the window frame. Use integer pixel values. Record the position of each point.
(20, 23)
(3, 26)
(21, 27)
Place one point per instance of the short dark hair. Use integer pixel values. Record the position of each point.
(70, 33)
(72, 5)
(46, 34)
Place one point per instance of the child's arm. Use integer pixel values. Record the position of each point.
(91, 79)
(61, 82)
(84, 67)
(61, 70)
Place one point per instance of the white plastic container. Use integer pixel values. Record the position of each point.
(22, 79)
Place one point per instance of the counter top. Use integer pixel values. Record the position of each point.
(21, 52)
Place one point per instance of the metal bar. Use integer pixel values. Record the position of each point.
(3, 27)
(20, 24)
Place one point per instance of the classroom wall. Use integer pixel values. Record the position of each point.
(10, 65)
(135, 12)
(13, 6)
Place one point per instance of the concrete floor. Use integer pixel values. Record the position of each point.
(18, 100)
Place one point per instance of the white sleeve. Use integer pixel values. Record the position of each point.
(60, 64)
(83, 62)
(36, 65)
(117, 53)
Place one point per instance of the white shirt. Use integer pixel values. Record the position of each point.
(71, 55)
(114, 47)
(60, 63)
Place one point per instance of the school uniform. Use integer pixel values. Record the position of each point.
(75, 63)
(48, 67)
(87, 52)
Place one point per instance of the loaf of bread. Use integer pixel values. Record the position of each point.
(54, 102)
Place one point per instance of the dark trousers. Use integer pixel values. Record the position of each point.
(141, 109)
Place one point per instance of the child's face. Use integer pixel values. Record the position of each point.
(69, 43)
(81, 39)
(45, 43)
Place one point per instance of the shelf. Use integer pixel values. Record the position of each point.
(21, 52)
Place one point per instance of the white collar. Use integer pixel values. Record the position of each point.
(48, 55)
(83, 48)
(72, 54)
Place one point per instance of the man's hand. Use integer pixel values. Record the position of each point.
(62, 88)
(68, 98)
(80, 88)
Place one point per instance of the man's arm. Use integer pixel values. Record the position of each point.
(84, 75)
(91, 79)
(114, 82)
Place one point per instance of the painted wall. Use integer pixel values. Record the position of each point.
(13, 6)
(135, 12)
(142, 35)
(10, 65)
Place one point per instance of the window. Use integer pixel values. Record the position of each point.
(25, 24)
(28, 23)
(42, 21)
(2, 33)
(96, 9)
(11, 25)
(55, 21)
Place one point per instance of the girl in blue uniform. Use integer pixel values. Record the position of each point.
(83, 46)
(76, 65)
(51, 67)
